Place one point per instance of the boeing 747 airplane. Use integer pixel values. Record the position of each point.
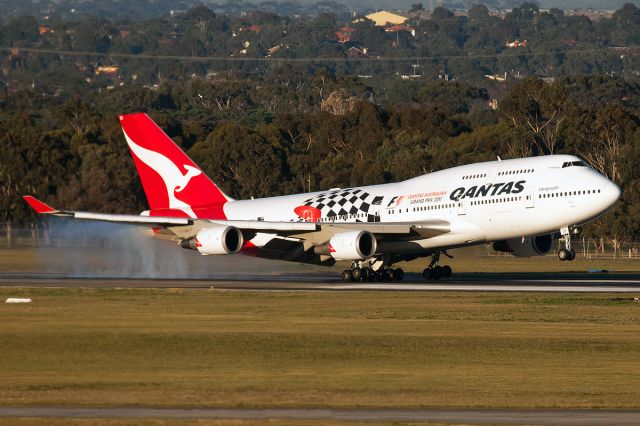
(518, 205)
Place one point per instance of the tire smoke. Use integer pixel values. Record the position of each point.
(105, 250)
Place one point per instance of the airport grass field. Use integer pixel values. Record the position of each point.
(213, 348)
(170, 261)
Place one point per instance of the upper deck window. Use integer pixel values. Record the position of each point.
(574, 164)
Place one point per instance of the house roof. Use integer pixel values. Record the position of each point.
(383, 18)
(399, 28)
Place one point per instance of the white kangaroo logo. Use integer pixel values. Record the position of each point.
(171, 175)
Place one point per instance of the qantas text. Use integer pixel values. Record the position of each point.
(489, 189)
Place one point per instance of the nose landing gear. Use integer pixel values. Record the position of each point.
(567, 253)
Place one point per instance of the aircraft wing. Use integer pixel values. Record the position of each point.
(312, 232)
(43, 208)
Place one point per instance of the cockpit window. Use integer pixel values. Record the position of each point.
(574, 164)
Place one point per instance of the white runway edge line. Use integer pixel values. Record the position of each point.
(582, 280)
(483, 287)
(467, 416)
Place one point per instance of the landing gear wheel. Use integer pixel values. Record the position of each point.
(356, 273)
(567, 253)
(564, 254)
(446, 271)
(347, 276)
(436, 272)
(372, 275)
(398, 274)
(365, 274)
(389, 274)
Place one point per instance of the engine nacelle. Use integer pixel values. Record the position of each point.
(352, 245)
(216, 240)
(530, 246)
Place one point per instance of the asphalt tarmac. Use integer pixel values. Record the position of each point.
(525, 282)
(464, 416)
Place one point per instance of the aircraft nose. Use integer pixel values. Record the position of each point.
(611, 192)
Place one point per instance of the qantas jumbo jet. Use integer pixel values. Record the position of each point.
(518, 205)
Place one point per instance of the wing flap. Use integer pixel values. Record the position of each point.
(133, 219)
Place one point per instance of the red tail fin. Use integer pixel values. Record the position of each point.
(174, 185)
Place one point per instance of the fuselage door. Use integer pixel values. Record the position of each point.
(529, 197)
(461, 207)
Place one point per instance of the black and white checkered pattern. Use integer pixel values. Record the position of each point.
(343, 202)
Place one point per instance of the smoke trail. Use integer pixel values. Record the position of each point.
(104, 250)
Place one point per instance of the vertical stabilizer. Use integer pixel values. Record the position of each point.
(174, 185)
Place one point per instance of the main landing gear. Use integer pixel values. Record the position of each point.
(567, 253)
(434, 271)
(361, 273)
(379, 269)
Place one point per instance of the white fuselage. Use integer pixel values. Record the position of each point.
(483, 202)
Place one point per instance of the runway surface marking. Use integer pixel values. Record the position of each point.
(482, 287)
(468, 416)
(532, 283)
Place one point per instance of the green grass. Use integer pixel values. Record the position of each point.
(316, 349)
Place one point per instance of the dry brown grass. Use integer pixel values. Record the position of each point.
(314, 349)
(85, 261)
(192, 422)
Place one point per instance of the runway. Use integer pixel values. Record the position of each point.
(556, 283)
(465, 416)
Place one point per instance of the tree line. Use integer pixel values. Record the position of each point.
(280, 127)
(465, 47)
(72, 153)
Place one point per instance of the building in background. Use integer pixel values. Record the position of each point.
(383, 18)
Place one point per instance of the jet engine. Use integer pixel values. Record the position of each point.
(216, 240)
(352, 245)
(529, 246)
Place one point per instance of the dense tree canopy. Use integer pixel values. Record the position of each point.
(269, 127)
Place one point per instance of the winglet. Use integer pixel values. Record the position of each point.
(38, 205)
